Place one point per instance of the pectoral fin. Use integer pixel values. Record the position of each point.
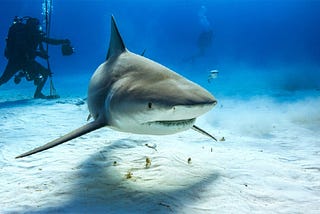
(74, 134)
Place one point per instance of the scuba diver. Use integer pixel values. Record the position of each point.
(204, 41)
(205, 37)
(24, 44)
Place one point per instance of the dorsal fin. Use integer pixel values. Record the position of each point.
(116, 46)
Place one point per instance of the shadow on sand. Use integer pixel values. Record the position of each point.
(99, 186)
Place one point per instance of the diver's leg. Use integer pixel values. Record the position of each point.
(40, 85)
(40, 80)
(9, 72)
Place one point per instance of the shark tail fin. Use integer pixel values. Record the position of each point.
(196, 128)
(74, 134)
(116, 46)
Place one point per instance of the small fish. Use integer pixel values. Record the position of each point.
(154, 146)
(212, 75)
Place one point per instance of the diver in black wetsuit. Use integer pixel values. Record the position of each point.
(204, 41)
(24, 44)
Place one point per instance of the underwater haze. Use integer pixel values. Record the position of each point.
(275, 43)
(259, 58)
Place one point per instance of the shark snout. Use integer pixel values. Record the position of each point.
(180, 112)
(184, 104)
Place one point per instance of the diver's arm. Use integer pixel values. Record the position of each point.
(55, 41)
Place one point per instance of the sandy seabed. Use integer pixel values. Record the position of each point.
(268, 163)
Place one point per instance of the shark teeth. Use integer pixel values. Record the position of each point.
(186, 122)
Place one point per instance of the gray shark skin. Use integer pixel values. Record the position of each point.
(130, 93)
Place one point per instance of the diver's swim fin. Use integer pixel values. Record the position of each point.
(52, 97)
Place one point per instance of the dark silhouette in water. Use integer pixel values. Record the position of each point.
(24, 44)
(204, 42)
(205, 37)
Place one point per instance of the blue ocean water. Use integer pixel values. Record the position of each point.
(257, 46)
(267, 54)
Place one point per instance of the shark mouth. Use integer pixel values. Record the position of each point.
(170, 123)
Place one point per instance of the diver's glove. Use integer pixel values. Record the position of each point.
(17, 77)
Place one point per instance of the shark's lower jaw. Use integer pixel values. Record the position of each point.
(167, 126)
(158, 127)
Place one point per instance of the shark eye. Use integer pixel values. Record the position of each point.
(149, 104)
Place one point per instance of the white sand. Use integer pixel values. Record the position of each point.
(269, 162)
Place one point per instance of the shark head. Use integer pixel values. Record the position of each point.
(131, 93)
(144, 97)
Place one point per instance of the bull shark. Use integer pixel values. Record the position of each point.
(131, 93)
